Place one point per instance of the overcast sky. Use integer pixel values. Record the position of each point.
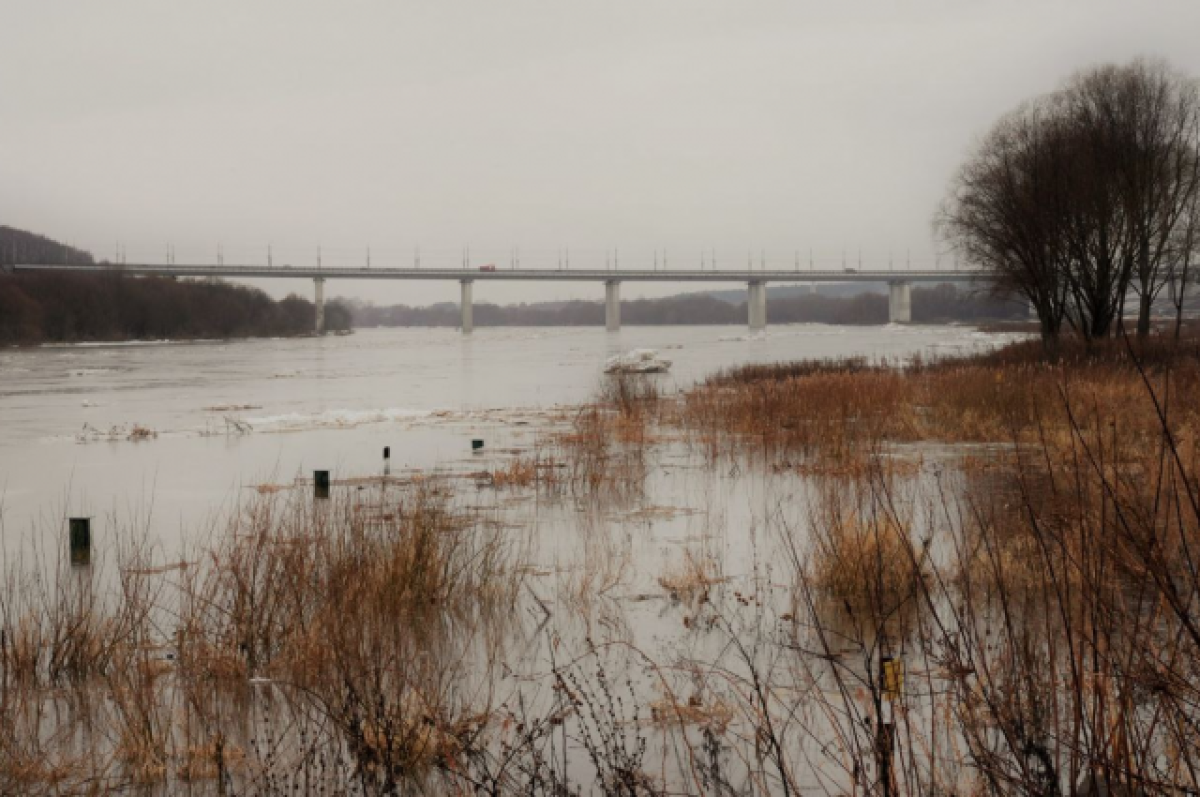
(776, 127)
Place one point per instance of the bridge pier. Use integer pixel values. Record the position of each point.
(756, 304)
(465, 305)
(319, 284)
(899, 302)
(612, 305)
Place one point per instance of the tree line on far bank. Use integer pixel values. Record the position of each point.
(64, 308)
(48, 307)
(937, 304)
(1087, 199)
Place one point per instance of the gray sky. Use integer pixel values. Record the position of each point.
(678, 125)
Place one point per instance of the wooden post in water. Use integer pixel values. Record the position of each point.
(320, 484)
(81, 541)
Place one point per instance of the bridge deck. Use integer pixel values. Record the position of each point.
(564, 275)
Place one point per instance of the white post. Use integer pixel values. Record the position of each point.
(612, 305)
(468, 322)
(899, 302)
(319, 283)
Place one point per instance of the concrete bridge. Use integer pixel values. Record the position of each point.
(756, 281)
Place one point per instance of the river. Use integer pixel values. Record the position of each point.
(224, 415)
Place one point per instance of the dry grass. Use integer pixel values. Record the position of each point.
(866, 564)
(836, 412)
(691, 580)
(713, 714)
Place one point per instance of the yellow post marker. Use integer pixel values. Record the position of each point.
(893, 678)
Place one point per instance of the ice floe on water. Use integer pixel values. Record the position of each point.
(115, 344)
(637, 361)
(331, 419)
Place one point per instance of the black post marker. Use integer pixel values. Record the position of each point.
(81, 541)
(320, 484)
(387, 460)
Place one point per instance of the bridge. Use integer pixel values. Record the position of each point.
(899, 282)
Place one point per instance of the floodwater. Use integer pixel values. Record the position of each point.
(167, 439)
(223, 416)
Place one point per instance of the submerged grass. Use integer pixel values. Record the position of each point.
(358, 624)
(1016, 617)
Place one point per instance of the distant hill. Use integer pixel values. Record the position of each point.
(19, 246)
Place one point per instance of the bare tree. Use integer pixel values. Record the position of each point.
(1185, 249)
(1146, 117)
(1081, 196)
(1005, 213)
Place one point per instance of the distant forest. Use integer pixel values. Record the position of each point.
(61, 308)
(933, 305)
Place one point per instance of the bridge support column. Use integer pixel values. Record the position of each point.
(612, 305)
(899, 302)
(319, 284)
(756, 304)
(465, 304)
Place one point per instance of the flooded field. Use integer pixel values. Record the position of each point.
(821, 579)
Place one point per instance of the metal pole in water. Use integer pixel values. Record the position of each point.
(81, 541)
(320, 484)
(387, 460)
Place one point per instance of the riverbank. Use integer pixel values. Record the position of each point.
(952, 576)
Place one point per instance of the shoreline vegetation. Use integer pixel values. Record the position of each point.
(989, 586)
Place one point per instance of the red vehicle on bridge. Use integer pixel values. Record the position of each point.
(488, 267)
